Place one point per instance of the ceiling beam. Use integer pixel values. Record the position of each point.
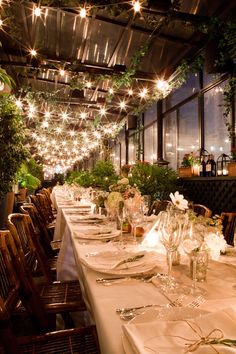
(79, 68)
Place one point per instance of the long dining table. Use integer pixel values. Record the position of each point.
(80, 258)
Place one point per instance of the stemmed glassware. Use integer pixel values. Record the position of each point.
(120, 216)
(135, 218)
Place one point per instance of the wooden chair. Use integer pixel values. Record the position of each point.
(51, 248)
(77, 340)
(48, 218)
(157, 206)
(229, 227)
(200, 209)
(21, 228)
(55, 296)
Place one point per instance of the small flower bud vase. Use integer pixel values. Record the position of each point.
(198, 265)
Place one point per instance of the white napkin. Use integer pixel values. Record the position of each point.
(160, 336)
(95, 231)
(107, 261)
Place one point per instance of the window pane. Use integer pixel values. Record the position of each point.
(150, 115)
(216, 135)
(170, 138)
(188, 135)
(116, 157)
(190, 87)
(150, 143)
(132, 150)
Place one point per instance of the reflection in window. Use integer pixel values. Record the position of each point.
(170, 139)
(150, 143)
(188, 135)
(189, 88)
(150, 115)
(216, 135)
(116, 158)
(132, 151)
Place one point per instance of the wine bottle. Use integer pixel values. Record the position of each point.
(202, 167)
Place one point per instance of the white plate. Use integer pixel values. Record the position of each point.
(164, 314)
(87, 220)
(103, 261)
(97, 236)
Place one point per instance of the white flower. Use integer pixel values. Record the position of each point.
(179, 201)
(215, 243)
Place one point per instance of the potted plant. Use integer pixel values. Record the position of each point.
(104, 174)
(13, 151)
(28, 178)
(153, 180)
(186, 169)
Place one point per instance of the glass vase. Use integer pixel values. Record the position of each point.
(198, 265)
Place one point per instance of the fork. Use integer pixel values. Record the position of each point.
(196, 302)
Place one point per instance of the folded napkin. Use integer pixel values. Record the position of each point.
(160, 336)
(85, 219)
(111, 262)
(95, 231)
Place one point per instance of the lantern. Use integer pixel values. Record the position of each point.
(222, 165)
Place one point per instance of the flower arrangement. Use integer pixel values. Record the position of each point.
(122, 191)
(206, 232)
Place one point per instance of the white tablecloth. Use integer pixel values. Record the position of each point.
(103, 300)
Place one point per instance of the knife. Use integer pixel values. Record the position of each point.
(138, 277)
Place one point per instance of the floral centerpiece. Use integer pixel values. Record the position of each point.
(122, 191)
(207, 233)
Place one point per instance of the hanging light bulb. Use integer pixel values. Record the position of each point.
(82, 12)
(37, 11)
(102, 111)
(1, 22)
(136, 6)
(19, 103)
(45, 124)
(122, 104)
(162, 85)
(143, 93)
(111, 91)
(64, 116)
(130, 92)
(33, 52)
(83, 115)
(47, 114)
(62, 72)
(88, 84)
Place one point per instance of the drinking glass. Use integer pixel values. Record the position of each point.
(135, 217)
(120, 216)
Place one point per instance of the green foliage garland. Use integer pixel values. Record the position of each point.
(12, 140)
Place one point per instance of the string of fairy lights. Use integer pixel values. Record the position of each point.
(55, 135)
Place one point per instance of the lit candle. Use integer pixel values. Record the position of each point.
(225, 172)
(219, 172)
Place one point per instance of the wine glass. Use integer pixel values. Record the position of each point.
(135, 217)
(120, 216)
(170, 235)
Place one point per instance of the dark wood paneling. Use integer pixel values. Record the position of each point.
(217, 193)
